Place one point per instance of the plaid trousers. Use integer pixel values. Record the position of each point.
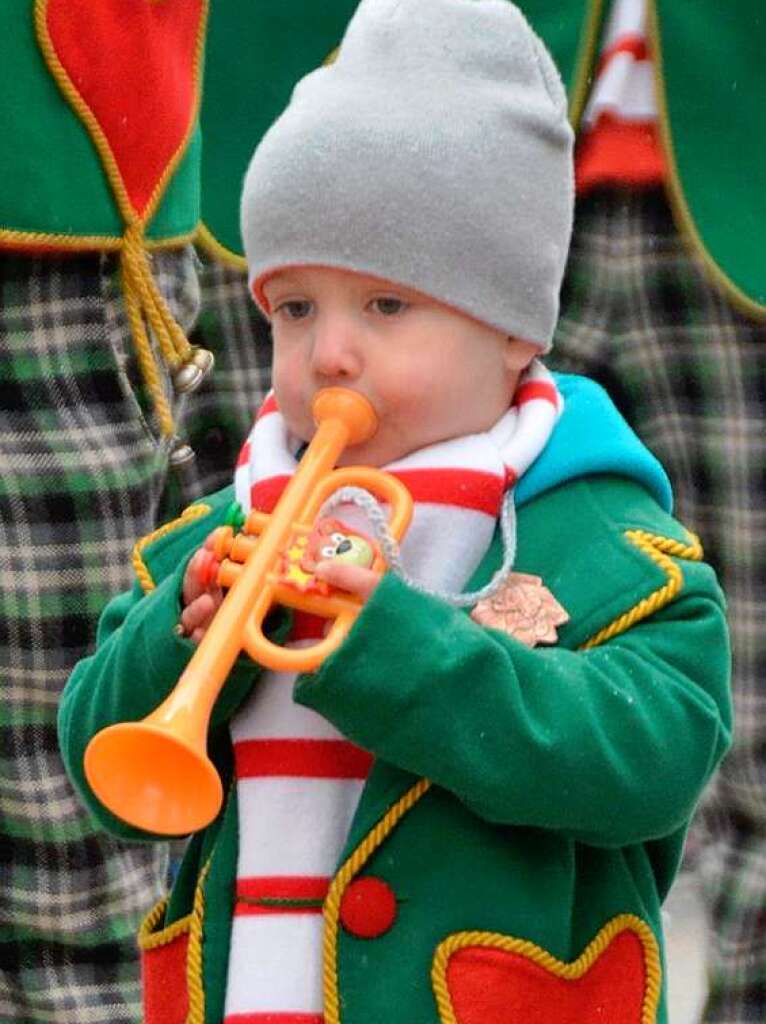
(689, 374)
(82, 476)
(222, 412)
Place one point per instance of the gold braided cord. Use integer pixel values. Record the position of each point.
(194, 979)
(355, 863)
(88, 118)
(146, 359)
(139, 566)
(681, 212)
(134, 271)
(568, 971)
(199, 52)
(12, 238)
(660, 550)
(207, 241)
(82, 109)
(144, 302)
(192, 924)
(138, 277)
(149, 939)
(584, 62)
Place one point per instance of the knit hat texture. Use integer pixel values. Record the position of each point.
(434, 152)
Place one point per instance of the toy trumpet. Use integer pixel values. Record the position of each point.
(155, 774)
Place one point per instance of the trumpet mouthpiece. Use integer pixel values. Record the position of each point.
(350, 407)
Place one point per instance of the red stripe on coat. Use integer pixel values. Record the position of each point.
(244, 455)
(304, 758)
(250, 891)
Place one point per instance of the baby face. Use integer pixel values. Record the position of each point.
(430, 373)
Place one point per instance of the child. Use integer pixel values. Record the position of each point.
(456, 818)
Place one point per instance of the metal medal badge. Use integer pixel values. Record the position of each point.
(524, 608)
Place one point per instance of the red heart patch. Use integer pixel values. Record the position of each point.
(484, 978)
(131, 70)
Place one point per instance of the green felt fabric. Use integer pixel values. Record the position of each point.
(562, 780)
(53, 180)
(710, 56)
(715, 92)
(275, 45)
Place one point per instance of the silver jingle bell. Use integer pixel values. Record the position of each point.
(181, 454)
(189, 375)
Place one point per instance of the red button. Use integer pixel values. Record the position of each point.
(368, 907)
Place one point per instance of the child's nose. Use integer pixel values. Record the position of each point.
(335, 353)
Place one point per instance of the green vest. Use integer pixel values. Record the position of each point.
(56, 192)
(710, 86)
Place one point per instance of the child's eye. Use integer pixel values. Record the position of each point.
(295, 309)
(387, 305)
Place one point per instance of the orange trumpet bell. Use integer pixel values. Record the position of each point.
(155, 774)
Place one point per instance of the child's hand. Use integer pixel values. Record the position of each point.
(353, 578)
(201, 601)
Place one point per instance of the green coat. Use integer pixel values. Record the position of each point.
(710, 85)
(561, 779)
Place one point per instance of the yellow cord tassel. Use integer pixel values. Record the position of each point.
(146, 306)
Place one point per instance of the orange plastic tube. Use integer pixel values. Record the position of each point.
(155, 774)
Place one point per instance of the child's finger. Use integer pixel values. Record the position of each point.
(192, 588)
(199, 576)
(353, 578)
(198, 614)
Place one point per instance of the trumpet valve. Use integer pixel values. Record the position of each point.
(242, 547)
(222, 538)
(229, 572)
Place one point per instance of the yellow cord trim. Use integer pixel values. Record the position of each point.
(355, 863)
(11, 238)
(194, 980)
(681, 212)
(145, 305)
(149, 939)
(88, 118)
(205, 237)
(144, 302)
(139, 566)
(193, 924)
(569, 971)
(661, 550)
(175, 160)
(584, 62)
(207, 241)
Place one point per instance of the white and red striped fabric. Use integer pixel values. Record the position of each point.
(618, 141)
(298, 779)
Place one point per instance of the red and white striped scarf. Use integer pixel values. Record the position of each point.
(619, 142)
(298, 779)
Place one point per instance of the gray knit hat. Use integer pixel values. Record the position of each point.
(435, 152)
